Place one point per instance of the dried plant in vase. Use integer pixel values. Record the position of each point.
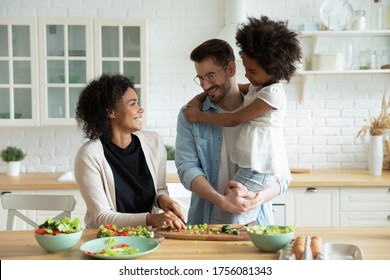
(378, 125)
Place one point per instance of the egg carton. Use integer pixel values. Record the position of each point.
(330, 251)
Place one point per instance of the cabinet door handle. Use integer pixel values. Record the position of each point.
(312, 190)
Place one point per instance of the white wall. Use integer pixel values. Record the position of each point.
(320, 131)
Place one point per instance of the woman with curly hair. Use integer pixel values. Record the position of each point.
(120, 171)
(270, 53)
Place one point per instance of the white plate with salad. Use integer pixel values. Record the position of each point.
(119, 247)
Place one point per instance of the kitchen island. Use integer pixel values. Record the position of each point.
(374, 242)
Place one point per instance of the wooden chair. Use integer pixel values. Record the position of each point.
(15, 202)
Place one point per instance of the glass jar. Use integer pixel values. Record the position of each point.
(368, 60)
(377, 15)
(385, 60)
(359, 22)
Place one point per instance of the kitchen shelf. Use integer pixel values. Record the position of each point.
(318, 72)
(353, 33)
(321, 41)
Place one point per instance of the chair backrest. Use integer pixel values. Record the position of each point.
(15, 202)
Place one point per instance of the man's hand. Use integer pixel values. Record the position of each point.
(238, 199)
(239, 188)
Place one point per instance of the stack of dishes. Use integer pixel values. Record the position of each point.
(336, 15)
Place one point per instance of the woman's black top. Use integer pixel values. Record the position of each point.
(134, 187)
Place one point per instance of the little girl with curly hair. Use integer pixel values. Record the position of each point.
(270, 53)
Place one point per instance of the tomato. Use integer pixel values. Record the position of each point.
(40, 231)
(120, 246)
(110, 227)
(89, 253)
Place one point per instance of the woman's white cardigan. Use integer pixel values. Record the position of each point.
(96, 181)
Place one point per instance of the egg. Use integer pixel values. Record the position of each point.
(300, 240)
(298, 251)
(316, 246)
(316, 238)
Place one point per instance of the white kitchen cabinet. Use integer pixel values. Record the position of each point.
(19, 78)
(331, 42)
(365, 206)
(313, 206)
(66, 56)
(46, 62)
(40, 216)
(120, 47)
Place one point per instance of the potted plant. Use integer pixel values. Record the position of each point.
(171, 168)
(12, 156)
(376, 127)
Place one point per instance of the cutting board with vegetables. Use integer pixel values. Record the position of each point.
(207, 232)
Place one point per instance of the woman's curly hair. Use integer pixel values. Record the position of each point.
(275, 47)
(97, 100)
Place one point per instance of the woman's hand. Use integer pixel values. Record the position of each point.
(166, 219)
(172, 216)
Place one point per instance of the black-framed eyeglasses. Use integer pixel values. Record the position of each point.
(210, 77)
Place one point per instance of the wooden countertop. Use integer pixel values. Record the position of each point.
(330, 178)
(315, 178)
(26, 181)
(340, 178)
(41, 181)
(374, 242)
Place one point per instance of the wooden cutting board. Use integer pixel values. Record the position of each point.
(186, 235)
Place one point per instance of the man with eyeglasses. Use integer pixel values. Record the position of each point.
(203, 150)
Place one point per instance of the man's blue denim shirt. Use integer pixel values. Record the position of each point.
(198, 152)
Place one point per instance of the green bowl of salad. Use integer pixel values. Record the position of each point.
(270, 238)
(59, 242)
(59, 235)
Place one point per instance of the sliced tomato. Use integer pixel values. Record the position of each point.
(108, 226)
(89, 252)
(120, 246)
(40, 231)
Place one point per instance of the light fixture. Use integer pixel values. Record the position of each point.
(235, 13)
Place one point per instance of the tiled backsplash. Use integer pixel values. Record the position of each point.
(320, 130)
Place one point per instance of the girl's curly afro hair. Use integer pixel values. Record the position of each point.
(275, 47)
(97, 100)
